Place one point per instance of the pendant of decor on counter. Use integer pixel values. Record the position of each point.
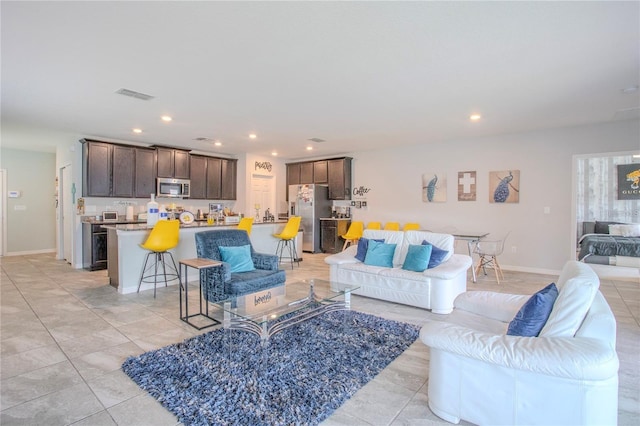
(504, 186)
(434, 187)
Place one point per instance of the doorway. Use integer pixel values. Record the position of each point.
(65, 208)
(263, 194)
(3, 213)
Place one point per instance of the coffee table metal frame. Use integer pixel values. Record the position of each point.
(271, 321)
(198, 263)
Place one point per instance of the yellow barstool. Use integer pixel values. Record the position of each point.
(392, 226)
(353, 234)
(164, 236)
(288, 239)
(411, 227)
(246, 223)
(374, 225)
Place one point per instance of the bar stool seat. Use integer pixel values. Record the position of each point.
(164, 236)
(287, 238)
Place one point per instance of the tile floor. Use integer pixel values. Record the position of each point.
(65, 333)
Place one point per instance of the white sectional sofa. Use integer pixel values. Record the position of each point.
(568, 375)
(433, 289)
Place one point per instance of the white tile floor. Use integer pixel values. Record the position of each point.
(65, 333)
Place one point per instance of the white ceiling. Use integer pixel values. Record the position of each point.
(361, 75)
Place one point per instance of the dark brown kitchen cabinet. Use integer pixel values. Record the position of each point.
(214, 174)
(339, 178)
(320, 171)
(96, 169)
(306, 173)
(145, 173)
(173, 163)
(124, 163)
(228, 179)
(293, 174)
(198, 170)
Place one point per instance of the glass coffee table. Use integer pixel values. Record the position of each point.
(270, 311)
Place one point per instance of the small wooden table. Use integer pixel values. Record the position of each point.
(198, 263)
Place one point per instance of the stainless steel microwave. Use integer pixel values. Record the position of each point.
(173, 188)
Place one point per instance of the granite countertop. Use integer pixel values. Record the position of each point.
(141, 226)
(121, 219)
(335, 218)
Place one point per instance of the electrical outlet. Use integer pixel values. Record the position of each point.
(514, 249)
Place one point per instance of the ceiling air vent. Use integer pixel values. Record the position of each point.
(201, 139)
(134, 94)
(317, 140)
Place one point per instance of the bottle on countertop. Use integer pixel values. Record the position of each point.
(152, 211)
(164, 214)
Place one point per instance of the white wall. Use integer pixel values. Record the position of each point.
(543, 241)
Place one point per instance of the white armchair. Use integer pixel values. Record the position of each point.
(568, 375)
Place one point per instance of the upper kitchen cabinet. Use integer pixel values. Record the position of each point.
(320, 174)
(213, 178)
(96, 168)
(145, 172)
(306, 173)
(124, 162)
(198, 173)
(293, 174)
(228, 179)
(339, 178)
(173, 163)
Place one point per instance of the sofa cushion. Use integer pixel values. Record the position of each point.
(417, 259)
(442, 241)
(363, 245)
(437, 255)
(389, 237)
(248, 282)
(380, 254)
(574, 300)
(533, 315)
(238, 257)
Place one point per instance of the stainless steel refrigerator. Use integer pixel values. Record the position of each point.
(311, 202)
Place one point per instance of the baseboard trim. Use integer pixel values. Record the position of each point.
(530, 270)
(23, 253)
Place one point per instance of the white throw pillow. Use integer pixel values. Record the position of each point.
(632, 230)
(572, 305)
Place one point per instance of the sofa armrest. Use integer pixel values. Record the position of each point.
(347, 256)
(498, 306)
(212, 281)
(456, 265)
(567, 357)
(269, 262)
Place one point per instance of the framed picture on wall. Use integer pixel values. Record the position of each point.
(434, 187)
(504, 186)
(629, 181)
(467, 186)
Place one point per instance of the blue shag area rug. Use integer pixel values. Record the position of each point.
(305, 373)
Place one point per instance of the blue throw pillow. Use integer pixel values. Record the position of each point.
(437, 254)
(363, 245)
(533, 315)
(380, 254)
(239, 258)
(417, 258)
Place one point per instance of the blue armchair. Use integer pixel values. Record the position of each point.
(219, 283)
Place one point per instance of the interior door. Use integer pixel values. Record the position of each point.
(67, 214)
(263, 193)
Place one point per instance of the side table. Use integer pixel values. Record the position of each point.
(198, 263)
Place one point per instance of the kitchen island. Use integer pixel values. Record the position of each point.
(125, 257)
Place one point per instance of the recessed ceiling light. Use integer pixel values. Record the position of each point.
(629, 90)
(475, 117)
(166, 118)
(137, 130)
(309, 148)
(252, 136)
(217, 143)
(636, 155)
(275, 154)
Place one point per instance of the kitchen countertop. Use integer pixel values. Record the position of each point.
(335, 218)
(141, 226)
